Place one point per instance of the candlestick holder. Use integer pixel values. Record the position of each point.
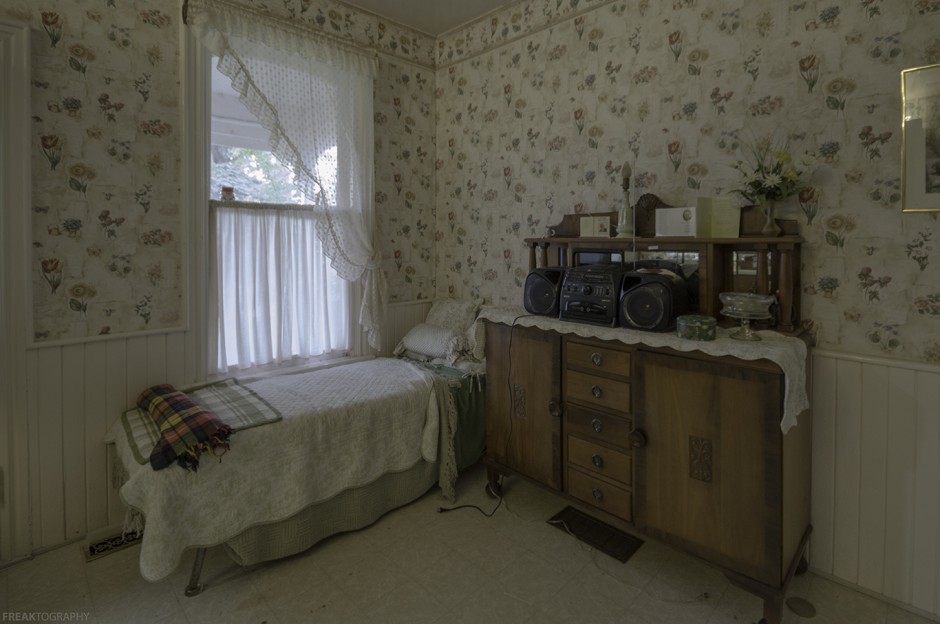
(625, 219)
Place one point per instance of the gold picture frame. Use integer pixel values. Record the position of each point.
(920, 139)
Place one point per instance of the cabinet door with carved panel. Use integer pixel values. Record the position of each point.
(710, 476)
(523, 403)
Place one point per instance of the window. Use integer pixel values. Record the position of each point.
(241, 155)
(292, 273)
(277, 299)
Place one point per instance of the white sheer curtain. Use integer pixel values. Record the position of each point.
(267, 310)
(314, 94)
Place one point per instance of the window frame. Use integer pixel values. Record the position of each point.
(197, 146)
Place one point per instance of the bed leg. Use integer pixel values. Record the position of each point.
(195, 587)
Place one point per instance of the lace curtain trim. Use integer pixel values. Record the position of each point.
(222, 16)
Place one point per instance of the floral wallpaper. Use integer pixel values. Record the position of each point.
(106, 246)
(404, 182)
(493, 132)
(539, 106)
(108, 239)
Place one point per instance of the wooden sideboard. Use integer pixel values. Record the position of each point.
(683, 447)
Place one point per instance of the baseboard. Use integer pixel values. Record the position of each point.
(933, 617)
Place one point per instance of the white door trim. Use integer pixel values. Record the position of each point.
(15, 300)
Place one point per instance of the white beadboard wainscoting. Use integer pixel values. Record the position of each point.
(876, 476)
(75, 392)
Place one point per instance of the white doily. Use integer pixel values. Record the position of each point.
(785, 351)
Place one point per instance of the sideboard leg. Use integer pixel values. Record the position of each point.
(493, 487)
(773, 609)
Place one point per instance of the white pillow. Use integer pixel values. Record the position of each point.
(454, 314)
(476, 340)
(431, 341)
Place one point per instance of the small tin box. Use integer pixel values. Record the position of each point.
(696, 327)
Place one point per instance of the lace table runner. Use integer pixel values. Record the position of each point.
(785, 351)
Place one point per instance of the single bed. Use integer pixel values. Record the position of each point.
(353, 442)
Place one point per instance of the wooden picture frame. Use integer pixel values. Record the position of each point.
(920, 139)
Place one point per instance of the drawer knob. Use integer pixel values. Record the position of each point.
(638, 438)
(597, 460)
(597, 424)
(596, 391)
(598, 495)
(596, 359)
(554, 408)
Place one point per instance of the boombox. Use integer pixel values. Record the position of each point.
(589, 294)
(611, 295)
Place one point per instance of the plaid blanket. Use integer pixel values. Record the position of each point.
(191, 422)
(187, 429)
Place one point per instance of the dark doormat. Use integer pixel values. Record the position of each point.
(112, 544)
(593, 532)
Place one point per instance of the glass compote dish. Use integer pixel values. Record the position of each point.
(747, 307)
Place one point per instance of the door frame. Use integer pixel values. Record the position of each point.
(15, 231)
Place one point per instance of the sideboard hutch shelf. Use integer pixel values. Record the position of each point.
(776, 270)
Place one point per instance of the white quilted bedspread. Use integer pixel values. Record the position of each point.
(342, 428)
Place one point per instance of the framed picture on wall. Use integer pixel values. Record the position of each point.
(920, 144)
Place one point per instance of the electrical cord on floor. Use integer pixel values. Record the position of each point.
(477, 507)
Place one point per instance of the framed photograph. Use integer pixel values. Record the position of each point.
(920, 143)
(593, 226)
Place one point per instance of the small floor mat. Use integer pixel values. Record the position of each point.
(111, 544)
(593, 532)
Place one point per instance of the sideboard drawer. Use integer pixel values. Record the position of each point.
(593, 357)
(592, 425)
(601, 494)
(611, 463)
(598, 391)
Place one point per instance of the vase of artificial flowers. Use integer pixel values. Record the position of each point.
(770, 175)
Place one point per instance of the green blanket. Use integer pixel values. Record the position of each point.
(469, 395)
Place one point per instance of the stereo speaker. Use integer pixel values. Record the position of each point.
(542, 288)
(651, 301)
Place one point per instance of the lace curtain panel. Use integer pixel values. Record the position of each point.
(314, 94)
